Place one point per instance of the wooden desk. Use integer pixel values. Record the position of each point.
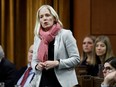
(89, 81)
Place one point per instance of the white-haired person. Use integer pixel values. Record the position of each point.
(55, 54)
(7, 70)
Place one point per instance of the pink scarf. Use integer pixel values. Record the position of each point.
(46, 38)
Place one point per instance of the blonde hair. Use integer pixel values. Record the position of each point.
(84, 54)
(52, 11)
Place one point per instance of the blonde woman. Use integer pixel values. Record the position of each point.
(55, 52)
(86, 57)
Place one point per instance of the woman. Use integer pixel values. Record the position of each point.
(109, 73)
(102, 51)
(103, 48)
(86, 58)
(88, 44)
(55, 51)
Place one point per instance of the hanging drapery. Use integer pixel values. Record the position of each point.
(17, 21)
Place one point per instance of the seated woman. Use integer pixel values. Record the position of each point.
(109, 73)
(86, 58)
(102, 51)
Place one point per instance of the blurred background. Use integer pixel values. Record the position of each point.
(82, 17)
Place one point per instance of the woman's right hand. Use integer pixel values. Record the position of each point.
(40, 66)
(111, 77)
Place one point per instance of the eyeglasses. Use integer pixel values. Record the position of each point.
(108, 68)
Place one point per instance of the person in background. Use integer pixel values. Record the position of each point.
(7, 70)
(21, 73)
(55, 53)
(102, 51)
(87, 60)
(109, 73)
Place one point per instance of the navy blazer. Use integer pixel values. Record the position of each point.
(7, 72)
(19, 73)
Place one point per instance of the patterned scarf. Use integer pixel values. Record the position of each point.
(46, 38)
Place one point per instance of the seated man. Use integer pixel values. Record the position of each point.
(20, 76)
(109, 73)
(7, 70)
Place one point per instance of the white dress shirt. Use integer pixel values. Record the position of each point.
(30, 77)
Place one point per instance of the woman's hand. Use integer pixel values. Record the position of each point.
(111, 77)
(50, 64)
(40, 66)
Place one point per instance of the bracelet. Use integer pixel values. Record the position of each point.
(36, 68)
(58, 60)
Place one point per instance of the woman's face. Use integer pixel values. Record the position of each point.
(100, 49)
(46, 18)
(87, 45)
(107, 69)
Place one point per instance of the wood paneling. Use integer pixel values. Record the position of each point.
(94, 17)
(103, 19)
(103, 16)
(81, 20)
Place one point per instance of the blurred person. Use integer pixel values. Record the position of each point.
(102, 51)
(86, 58)
(55, 53)
(7, 70)
(109, 73)
(21, 72)
(87, 46)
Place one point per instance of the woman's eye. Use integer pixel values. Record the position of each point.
(84, 42)
(47, 15)
(41, 16)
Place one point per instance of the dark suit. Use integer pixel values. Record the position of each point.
(19, 73)
(7, 72)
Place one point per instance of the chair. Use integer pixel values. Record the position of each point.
(97, 81)
(81, 70)
(85, 80)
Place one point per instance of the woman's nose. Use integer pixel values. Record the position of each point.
(44, 17)
(104, 70)
(86, 44)
(98, 47)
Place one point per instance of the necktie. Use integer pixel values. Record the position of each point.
(25, 76)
